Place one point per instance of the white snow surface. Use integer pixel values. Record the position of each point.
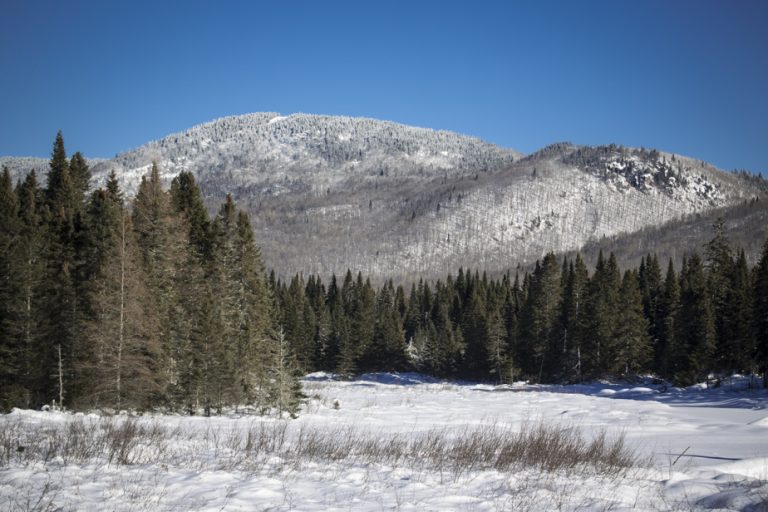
(705, 449)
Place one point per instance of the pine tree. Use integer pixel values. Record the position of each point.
(651, 287)
(736, 349)
(446, 350)
(760, 313)
(120, 351)
(695, 327)
(168, 267)
(571, 322)
(499, 359)
(62, 306)
(286, 390)
(187, 200)
(11, 346)
(602, 314)
(256, 312)
(512, 307)
(80, 175)
(632, 339)
(474, 328)
(665, 346)
(26, 314)
(720, 271)
(539, 316)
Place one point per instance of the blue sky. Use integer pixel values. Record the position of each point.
(683, 76)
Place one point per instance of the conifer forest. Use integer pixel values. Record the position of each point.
(116, 303)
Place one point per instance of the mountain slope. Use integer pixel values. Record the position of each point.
(330, 193)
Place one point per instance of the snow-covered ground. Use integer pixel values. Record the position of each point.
(699, 448)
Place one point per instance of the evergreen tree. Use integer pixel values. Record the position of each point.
(387, 351)
(632, 339)
(169, 266)
(736, 349)
(256, 310)
(118, 363)
(287, 394)
(651, 287)
(664, 348)
(446, 348)
(62, 308)
(571, 322)
(539, 316)
(11, 346)
(474, 328)
(26, 316)
(80, 175)
(695, 327)
(720, 273)
(602, 314)
(760, 312)
(512, 306)
(187, 200)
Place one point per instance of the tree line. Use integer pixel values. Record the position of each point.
(106, 304)
(109, 305)
(557, 323)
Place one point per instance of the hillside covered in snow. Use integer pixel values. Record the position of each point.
(328, 193)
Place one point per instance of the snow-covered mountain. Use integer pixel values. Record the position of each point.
(329, 193)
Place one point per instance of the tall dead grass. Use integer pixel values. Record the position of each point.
(127, 441)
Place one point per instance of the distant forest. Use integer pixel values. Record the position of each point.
(155, 304)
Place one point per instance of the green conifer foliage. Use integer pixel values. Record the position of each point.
(665, 346)
(11, 345)
(695, 326)
(632, 339)
(760, 312)
(540, 314)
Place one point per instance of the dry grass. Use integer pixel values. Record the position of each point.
(127, 441)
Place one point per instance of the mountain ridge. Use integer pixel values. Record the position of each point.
(327, 193)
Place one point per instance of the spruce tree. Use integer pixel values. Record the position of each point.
(539, 316)
(119, 361)
(168, 267)
(601, 318)
(475, 331)
(760, 312)
(651, 287)
(665, 346)
(62, 302)
(720, 272)
(286, 392)
(28, 321)
(387, 350)
(735, 351)
(80, 175)
(632, 339)
(12, 390)
(695, 326)
(256, 318)
(570, 336)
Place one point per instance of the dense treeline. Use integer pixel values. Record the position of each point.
(108, 305)
(557, 323)
(154, 304)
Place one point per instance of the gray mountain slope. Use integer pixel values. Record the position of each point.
(329, 193)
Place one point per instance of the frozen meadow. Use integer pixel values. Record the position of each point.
(406, 442)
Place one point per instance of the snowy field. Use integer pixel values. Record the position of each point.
(370, 445)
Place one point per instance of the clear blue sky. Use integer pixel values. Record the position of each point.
(683, 76)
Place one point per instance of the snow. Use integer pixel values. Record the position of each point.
(706, 449)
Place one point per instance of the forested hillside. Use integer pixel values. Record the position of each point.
(327, 193)
(113, 303)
